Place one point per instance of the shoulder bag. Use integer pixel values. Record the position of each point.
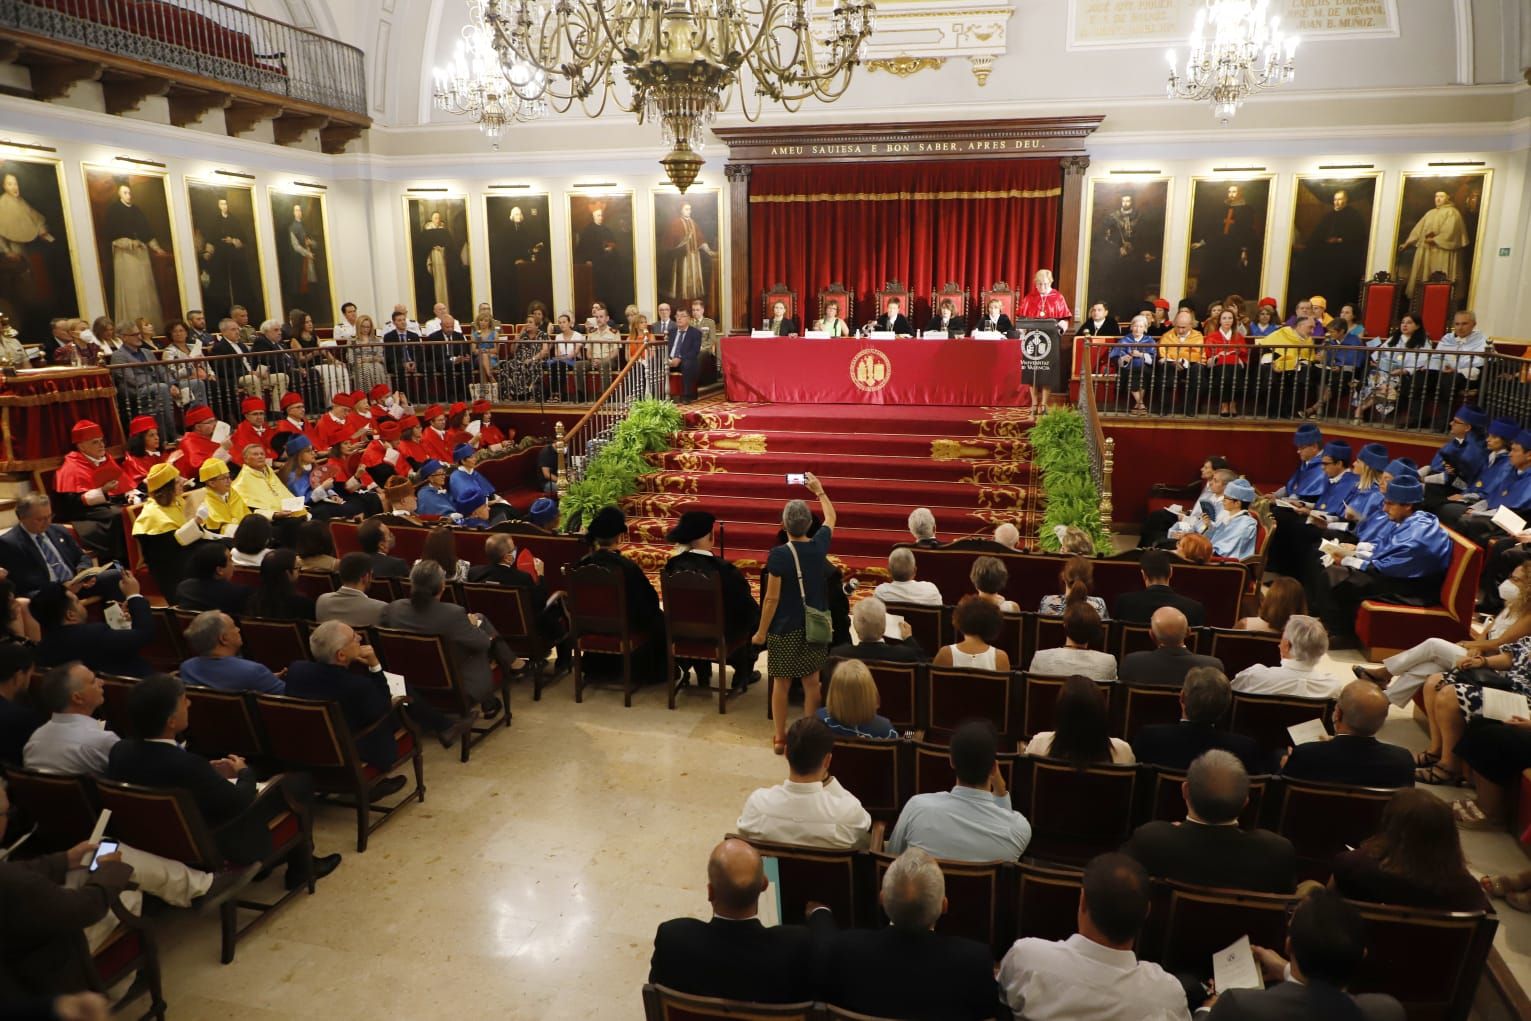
(817, 626)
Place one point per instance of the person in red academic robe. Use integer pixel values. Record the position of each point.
(90, 489)
(490, 437)
(409, 442)
(334, 425)
(384, 448)
(295, 418)
(1042, 302)
(143, 449)
(197, 444)
(457, 427)
(252, 430)
(435, 439)
(361, 411)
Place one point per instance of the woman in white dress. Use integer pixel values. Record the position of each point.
(365, 353)
(978, 621)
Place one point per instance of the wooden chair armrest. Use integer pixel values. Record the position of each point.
(878, 835)
(385, 718)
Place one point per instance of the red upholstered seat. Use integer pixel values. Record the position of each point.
(1387, 628)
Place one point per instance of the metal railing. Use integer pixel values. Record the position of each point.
(646, 374)
(426, 372)
(1373, 385)
(207, 38)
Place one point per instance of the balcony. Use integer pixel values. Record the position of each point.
(201, 55)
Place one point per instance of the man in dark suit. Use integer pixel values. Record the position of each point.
(208, 587)
(35, 551)
(70, 634)
(741, 614)
(893, 319)
(18, 717)
(224, 790)
(470, 639)
(663, 326)
(947, 321)
(906, 968)
(1325, 945)
(733, 956)
(604, 532)
(1354, 755)
(1139, 607)
(376, 540)
(1204, 700)
(686, 353)
(1209, 849)
(499, 568)
(232, 374)
(450, 361)
(400, 347)
(869, 619)
(1171, 661)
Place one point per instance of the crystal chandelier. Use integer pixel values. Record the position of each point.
(680, 60)
(1236, 49)
(477, 84)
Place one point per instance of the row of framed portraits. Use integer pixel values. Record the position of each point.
(135, 243)
(1439, 226)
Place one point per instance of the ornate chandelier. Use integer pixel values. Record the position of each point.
(477, 84)
(680, 60)
(1236, 49)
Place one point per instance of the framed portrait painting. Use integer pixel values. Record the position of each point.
(520, 256)
(1439, 220)
(1331, 238)
(135, 241)
(1126, 260)
(440, 269)
(227, 239)
(1229, 223)
(303, 255)
(601, 238)
(39, 274)
(686, 248)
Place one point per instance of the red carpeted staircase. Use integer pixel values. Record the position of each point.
(970, 466)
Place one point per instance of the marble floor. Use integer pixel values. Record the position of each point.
(529, 883)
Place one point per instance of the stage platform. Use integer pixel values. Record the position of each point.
(894, 373)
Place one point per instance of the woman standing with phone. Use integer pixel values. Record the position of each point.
(795, 625)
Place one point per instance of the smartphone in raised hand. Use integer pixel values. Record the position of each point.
(797, 479)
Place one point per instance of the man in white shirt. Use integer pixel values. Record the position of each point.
(904, 588)
(973, 821)
(1094, 973)
(346, 329)
(71, 741)
(811, 808)
(438, 315)
(1303, 644)
(1466, 339)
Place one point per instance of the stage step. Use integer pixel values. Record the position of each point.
(844, 466)
(951, 522)
(875, 420)
(696, 489)
(934, 446)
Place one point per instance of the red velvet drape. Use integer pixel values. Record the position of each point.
(923, 224)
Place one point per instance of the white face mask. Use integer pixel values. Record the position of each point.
(1508, 590)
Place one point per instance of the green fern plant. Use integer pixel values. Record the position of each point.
(1062, 461)
(613, 472)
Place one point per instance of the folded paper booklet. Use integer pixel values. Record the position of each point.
(1338, 526)
(1307, 733)
(292, 504)
(891, 629)
(1176, 510)
(1234, 967)
(395, 684)
(1501, 705)
(1509, 521)
(221, 433)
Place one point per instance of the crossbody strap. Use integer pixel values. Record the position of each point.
(792, 548)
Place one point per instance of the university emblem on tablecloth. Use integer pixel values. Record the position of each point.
(871, 370)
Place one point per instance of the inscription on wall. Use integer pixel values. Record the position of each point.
(1120, 24)
(908, 148)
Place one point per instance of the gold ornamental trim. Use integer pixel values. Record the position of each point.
(904, 65)
(906, 196)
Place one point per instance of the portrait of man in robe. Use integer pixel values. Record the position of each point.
(37, 269)
(1126, 244)
(1437, 230)
(302, 256)
(439, 259)
(131, 217)
(1227, 252)
(686, 247)
(1331, 231)
(601, 228)
(520, 255)
(228, 253)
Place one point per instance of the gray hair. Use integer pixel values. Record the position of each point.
(328, 639)
(31, 503)
(796, 518)
(922, 523)
(1363, 707)
(912, 891)
(271, 324)
(497, 546)
(225, 323)
(126, 326)
(1007, 535)
(869, 619)
(901, 564)
(205, 631)
(1217, 786)
(1307, 637)
(1206, 694)
(989, 575)
(427, 580)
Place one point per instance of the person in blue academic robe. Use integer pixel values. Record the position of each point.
(1234, 536)
(433, 500)
(1307, 481)
(472, 495)
(1512, 491)
(1295, 542)
(1459, 461)
(1496, 465)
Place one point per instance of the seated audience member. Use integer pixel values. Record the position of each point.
(1094, 973)
(19, 716)
(252, 541)
(441, 547)
(977, 621)
(1353, 755)
(1233, 535)
(1170, 661)
(72, 741)
(208, 586)
(973, 821)
(869, 621)
(166, 533)
(1414, 859)
(69, 634)
(1159, 523)
(278, 597)
(1194, 549)
(1303, 644)
(1209, 848)
(470, 639)
(1325, 945)
(696, 551)
(733, 956)
(1204, 700)
(810, 808)
(89, 490)
(904, 588)
(262, 490)
(1008, 536)
(225, 508)
(505, 565)
(1077, 576)
(1495, 754)
(364, 698)
(17, 625)
(376, 540)
(1075, 540)
(851, 708)
(350, 603)
(472, 495)
(35, 551)
(224, 790)
(906, 968)
(989, 576)
(1284, 598)
(604, 532)
(1081, 628)
(1454, 698)
(922, 526)
(216, 640)
(1081, 729)
(399, 499)
(1139, 607)
(316, 547)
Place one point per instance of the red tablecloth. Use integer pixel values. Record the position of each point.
(38, 407)
(977, 373)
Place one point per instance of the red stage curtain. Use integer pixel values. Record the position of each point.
(921, 223)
